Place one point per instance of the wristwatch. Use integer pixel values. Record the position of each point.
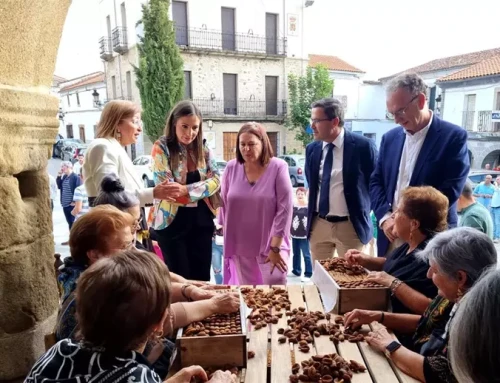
(275, 249)
(393, 346)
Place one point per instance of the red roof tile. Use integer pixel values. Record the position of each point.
(451, 62)
(90, 79)
(488, 67)
(333, 63)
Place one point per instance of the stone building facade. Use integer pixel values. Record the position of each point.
(28, 124)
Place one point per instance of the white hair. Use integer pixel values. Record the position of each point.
(474, 337)
(67, 164)
(412, 82)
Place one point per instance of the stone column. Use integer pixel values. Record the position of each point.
(30, 32)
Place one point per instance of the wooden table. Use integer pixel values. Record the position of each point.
(273, 361)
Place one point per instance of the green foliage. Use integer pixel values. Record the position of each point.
(304, 90)
(160, 75)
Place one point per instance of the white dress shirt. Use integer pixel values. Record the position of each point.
(338, 205)
(409, 155)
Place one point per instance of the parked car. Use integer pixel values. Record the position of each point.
(295, 168)
(144, 168)
(71, 151)
(477, 176)
(62, 143)
(221, 165)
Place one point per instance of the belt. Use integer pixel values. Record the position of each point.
(333, 218)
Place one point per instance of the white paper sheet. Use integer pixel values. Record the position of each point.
(327, 287)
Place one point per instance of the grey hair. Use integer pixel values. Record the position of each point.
(461, 249)
(332, 107)
(467, 190)
(474, 338)
(67, 164)
(412, 82)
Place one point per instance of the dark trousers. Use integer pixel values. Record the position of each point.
(187, 253)
(69, 218)
(301, 245)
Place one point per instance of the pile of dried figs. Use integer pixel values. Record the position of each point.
(362, 284)
(340, 265)
(276, 298)
(219, 324)
(331, 368)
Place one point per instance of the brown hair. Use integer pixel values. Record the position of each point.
(428, 206)
(113, 113)
(120, 299)
(95, 230)
(260, 132)
(182, 109)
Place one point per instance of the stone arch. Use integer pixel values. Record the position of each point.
(492, 158)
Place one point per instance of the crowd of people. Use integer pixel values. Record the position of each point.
(122, 296)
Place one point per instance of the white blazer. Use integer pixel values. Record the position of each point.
(105, 156)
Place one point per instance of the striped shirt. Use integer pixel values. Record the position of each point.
(81, 195)
(67, 195)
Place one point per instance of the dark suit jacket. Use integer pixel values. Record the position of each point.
(443, 163)
(360, 156)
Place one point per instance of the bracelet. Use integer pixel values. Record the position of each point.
(382, 317)
(394, 285)
(183, 291)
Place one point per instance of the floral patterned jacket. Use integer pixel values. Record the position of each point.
(164, 212)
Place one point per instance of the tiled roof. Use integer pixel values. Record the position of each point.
(451, 62)
(56, 80)
(488, 67)
(90, 79)
(333, 63)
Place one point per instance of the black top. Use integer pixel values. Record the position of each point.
(299, 222)
(411, 271)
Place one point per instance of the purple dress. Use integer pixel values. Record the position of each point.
(251, 216)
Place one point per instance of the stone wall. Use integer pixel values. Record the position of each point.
(29, 39)
(484, 150)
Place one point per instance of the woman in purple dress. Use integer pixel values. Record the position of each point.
(257, 212)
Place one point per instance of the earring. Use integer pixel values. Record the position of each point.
(411, 237)
(158, 334)
(460, 294)
(118, 136)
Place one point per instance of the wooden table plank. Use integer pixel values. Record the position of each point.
(281, 358)
(323, 343)
(380, 368)
(256, 371)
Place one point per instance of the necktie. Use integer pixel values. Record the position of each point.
(324, 196)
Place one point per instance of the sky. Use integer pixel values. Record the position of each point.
(381, 37)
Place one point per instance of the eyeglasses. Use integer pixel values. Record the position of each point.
(318, 120)
(401, 112)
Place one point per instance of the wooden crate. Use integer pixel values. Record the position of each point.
(214, 351)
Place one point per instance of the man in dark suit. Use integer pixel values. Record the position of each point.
(423, 150)
(338, 168)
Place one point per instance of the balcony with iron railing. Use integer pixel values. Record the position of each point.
(120, 41)
(485, 122)
(242, 109)
(213, 41)
(105, 49)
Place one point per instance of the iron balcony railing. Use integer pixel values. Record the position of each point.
(468, 120)
(105, 48)
(485, 124)
(120, 41)
(251, 109)
(213, 40)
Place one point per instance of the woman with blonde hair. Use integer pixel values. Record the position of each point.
(183, 221)
(120, 125)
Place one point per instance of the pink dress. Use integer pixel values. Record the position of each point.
(251, 216)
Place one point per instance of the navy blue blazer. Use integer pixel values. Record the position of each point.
(443, 163)
(360, 156)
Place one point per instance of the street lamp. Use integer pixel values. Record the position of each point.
(97, 102)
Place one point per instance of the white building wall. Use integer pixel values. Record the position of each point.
(372, 102)
(373, 127)
(455, 98)
(346, 89)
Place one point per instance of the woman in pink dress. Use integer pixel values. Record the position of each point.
(257, 212)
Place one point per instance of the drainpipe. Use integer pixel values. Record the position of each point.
(119, 55)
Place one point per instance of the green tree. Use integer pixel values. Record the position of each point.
(160, 76)
(303, 90)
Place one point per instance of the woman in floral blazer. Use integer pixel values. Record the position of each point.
(184, 221)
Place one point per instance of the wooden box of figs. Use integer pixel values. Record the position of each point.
(353, 290)
(218, 340)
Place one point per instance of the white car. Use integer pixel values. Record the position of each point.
(144, 168)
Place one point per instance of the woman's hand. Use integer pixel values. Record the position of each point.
(355, 257)
(186, 374)
(169, 191)
(380, 277)
(198, 294)
(380, 339)
(225, 303)
(223, 377)
(276, 261)
(356, 318)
